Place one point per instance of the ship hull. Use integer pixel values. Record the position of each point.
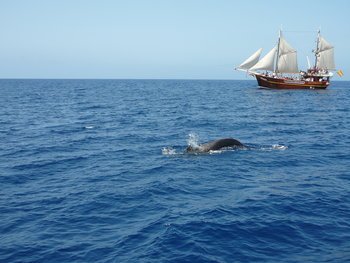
(285, 83)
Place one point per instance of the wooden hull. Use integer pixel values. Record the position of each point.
(285, 83)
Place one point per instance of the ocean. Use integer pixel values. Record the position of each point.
(95, 171)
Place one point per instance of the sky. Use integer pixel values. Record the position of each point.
(161, 39)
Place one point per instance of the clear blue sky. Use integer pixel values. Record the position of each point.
(185, 39)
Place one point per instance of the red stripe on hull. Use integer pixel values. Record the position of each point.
(280, 83)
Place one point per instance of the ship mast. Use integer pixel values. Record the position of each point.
(317, 47)
(278, 50)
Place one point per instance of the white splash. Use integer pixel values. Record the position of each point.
(215, 151)
(273, 147)
(279, 147)
(168, 151)
(193, 141)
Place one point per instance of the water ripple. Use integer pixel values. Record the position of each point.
(95, 171)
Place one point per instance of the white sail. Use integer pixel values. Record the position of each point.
(285, 48)
(288, 63)
(325, 60)
(251, 61)
(325, 55)
(308, 62)
(267, 62)
(287, 59)
(324, 45)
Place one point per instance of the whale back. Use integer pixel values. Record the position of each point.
(219, 144)
(216, 145)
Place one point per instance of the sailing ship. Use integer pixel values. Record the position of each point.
(278, 69)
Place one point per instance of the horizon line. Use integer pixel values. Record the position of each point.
(138, 79)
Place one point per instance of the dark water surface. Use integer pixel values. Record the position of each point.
(94, 171)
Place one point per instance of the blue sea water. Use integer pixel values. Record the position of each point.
(94, 171)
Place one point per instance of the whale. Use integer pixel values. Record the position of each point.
(214, 145)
